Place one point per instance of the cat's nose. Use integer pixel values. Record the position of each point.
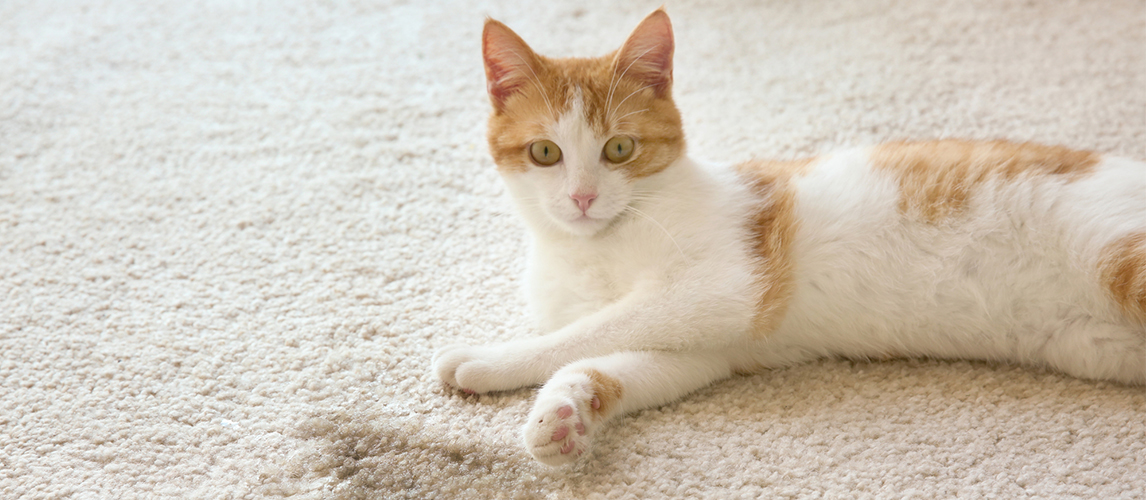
(584, 200)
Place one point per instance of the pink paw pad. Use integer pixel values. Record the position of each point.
(596, 403)
(560, 433)
(565, 411)
(580, 428)
(468, 391)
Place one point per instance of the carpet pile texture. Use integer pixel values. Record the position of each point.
(233, 233)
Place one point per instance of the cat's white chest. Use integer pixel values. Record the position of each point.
(563, 286)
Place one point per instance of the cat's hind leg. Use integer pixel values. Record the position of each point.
(585, 394)
(1099, 351)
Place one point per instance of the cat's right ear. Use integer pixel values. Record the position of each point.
(509, 62)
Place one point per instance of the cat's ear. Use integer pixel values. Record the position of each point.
(509, 62)
(647, 54)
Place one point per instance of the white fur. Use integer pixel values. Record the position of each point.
(1015, 278)
(663, 300)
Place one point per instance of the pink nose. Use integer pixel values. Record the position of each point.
(584, 200)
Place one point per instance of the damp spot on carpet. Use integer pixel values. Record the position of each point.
(362, 455)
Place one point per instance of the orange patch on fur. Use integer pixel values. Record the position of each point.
(653, 122)
(608, 391)
(1123, 268)
(773, 228)
(615, 101)
(936, 177)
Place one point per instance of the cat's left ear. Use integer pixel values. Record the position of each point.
(509, 62)
(647, 54)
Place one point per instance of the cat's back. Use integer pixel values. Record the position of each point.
(955, 248)
(1045, 195)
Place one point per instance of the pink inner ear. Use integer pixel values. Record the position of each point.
(507, 61)
(497, 83)
(647, 54)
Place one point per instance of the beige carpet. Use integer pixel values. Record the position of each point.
(231, 236)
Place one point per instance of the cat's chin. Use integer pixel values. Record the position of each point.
(585, 225)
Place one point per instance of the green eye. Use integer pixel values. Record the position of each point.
(619, 149)
(545, 153)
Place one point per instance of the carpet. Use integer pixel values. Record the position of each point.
(233, 233)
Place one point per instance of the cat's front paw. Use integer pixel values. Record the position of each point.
(561, 424)
(477, 369)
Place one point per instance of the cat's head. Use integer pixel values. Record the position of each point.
(576, 138)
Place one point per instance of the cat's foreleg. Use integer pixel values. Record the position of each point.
(680, 321)
(583, 395)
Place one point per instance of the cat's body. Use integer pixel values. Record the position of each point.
(653, 274)
(1016, 275)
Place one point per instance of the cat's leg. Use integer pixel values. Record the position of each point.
(641, 322)
(583, 395)
(1099, 351)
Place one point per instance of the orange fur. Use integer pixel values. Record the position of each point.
(608, 391)
(936, 177)
(1123, 270)
(541, 89)
(773, 226)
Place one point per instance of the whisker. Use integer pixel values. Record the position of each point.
(662, 228)
(610, 96)
(537, 82)
(632, 113)
(612, 87)
(630, 95)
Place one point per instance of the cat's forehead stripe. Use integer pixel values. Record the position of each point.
(574, 104)
(571, 131)
(580, 103)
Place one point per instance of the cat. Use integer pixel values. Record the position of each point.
(655, 275)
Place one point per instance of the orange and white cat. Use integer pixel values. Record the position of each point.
(654, 274)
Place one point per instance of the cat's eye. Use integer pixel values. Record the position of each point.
(619, 149)
(545, 153)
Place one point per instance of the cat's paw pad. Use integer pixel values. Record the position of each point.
(558, 437)
(560, 426)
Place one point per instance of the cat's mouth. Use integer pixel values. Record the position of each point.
(589, 222)
(587, 225)
(586, 222)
